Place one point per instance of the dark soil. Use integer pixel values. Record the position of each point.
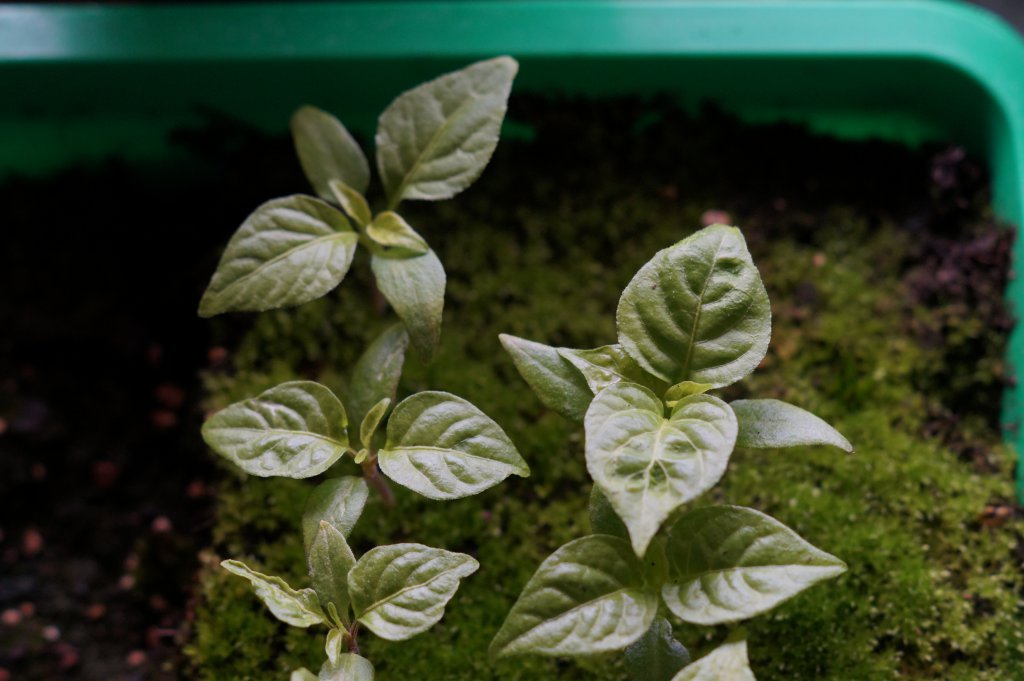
(104, 482)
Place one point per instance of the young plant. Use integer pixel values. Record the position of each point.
(432, 142)
(693, 319)
(395, 591)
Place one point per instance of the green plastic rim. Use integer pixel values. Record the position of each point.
(84, 81)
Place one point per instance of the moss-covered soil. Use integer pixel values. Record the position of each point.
(885, 273)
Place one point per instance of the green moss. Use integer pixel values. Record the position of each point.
(930, 593)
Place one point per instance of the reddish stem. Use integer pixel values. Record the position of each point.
(372, 474)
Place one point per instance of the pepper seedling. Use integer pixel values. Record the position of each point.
(695, 318)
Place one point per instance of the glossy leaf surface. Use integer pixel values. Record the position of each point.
(401, 590)
(657, 655)
(558, 384)
(339, 501)
(349, 667)
(294, 430)
(728, 563)
(443, 447)
(297, 608)
(390, 230)
(610, 364)
(351, 201)
(329, 562)
(415, 288)
(372, 420)
(649, 465)
(287, 252)
(328, 152)
(697, 311)
(772, 424)
(433, 141)
(377, 372)
(589, 596)
(727, 662)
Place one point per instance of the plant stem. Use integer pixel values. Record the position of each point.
(377, 481)
(353, 644)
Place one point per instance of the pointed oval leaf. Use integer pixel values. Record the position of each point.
(657, 655)
(391, 231)
(372, 420)
(434, 141)
(589, 596)
(329, 562)
(727, 662)
(557, 383)
(339, 501)
(401, 590)
(728, 563)
(415, 288)
(697, 311)
(349, 667)
(297, 608)
(302, 674)
(294, 430)
(648, 465)
(377, 372)
(603, 518)
(328, 152)
(609, 364)
(333, 646)
(351, 201)
(443, 447)
(772, 424)
(287, 252)
(684, 389)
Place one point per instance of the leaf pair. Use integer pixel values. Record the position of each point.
(432, 142)
(717, 565)
(438, 445)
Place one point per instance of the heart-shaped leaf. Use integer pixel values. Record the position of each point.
(287, 252)
(339, 501)
(297, 608)
(772, 424)
(728, 563)
(727, 662)
(328, 152)
(368, 427)
(657, 655)
(349, 667)
(352, 202)
(610, 364)
(294, 430)
(415, 288)
(443, 447)
(557, 383)
(648, 465)
(390, 230)
(377, 372)
(401, 590)
(697, 311)
(329, 562)
(589, 596)
(434, 141)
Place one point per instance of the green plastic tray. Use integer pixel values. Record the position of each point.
(80, 82)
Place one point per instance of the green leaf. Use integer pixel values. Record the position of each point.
(557, 383)
(351, 201)
(443, 447)
(415, 288)
(727, 662)
(771, 424)
(728, 563)
(329, 562)
(401, 590)
(333, 645)
(303, 674)
(657, 655)
(287, 252)
(297, 608)
(589, 596)
(434, 141)
(392, 231)
(648, 465)
(294, 430)
(327, 151)
(339, 501)
(603, 518)
(377, 372)
(610, 364)
(697, 311)
(684, 389)
(372, 420)
(350, 667)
